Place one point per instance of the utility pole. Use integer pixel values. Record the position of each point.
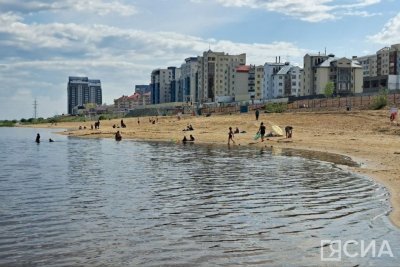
(35, 104)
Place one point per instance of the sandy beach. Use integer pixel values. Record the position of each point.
(367, 137)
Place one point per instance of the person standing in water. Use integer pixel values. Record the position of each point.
(230, 136)
(37, 138)
(118, 136)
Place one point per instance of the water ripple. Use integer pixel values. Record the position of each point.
(101, 203)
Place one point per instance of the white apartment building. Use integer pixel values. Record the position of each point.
(270, 69)
(216, 75)
(287, 81)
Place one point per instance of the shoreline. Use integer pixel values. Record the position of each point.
(365, 137)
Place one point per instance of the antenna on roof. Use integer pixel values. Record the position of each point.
(35, 104)
(325, 50)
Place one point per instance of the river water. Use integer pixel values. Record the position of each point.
(97, 202)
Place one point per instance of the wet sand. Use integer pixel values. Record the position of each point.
(367, 137)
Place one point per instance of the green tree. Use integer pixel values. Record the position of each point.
(329, 89)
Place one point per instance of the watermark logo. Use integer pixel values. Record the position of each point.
(335, 250)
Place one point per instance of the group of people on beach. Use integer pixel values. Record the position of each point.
(231, 133)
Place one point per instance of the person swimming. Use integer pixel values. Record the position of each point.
(37, 138)
(118, 136)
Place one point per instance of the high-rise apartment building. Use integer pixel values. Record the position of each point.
(160, 85)
(81, 91)
(175, 89)
(189, 80)
(216, 75)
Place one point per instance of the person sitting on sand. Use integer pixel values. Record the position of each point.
(118, 136)
(288, 130)
(191, 138)
(237, 130)
(184, 139)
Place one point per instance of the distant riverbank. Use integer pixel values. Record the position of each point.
(365, 136)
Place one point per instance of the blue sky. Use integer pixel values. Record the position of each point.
(120, 41)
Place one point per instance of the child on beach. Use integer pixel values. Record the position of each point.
(230, 136)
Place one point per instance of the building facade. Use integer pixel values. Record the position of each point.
(381, 70)
(142, 88)
(216, 75)
(270, 70)
(346, 74)
(287, 82)
(81, 91)
(160, 85)
(189, 81)
(311, 62)
(126, 103)
(259, 82)
(175, 89)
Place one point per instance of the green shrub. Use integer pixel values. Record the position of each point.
(7, 123)
(275, 107)
(380, 101)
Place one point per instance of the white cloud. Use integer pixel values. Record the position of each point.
(310, 10)
(106, 43)
(99, 7)
(390, 34)
(48, 53)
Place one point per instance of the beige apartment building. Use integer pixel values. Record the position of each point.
(346, 74)
(216, 73)
(311, 62)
